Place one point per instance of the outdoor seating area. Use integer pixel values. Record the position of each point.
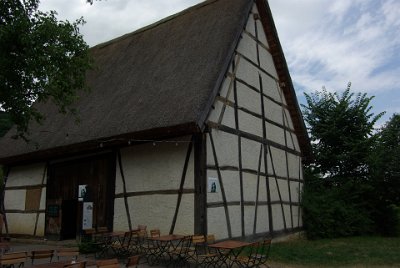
(144, 248)
(156, 249)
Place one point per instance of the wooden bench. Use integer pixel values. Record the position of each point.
(14, 258)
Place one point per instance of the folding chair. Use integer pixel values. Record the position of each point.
(255, 255)
(133, 261)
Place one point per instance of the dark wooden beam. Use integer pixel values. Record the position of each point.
(128, 214)
(182, 184)
(239, 152)
(221, 184)
(200, 184)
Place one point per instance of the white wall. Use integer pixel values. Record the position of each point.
(151, 170)
(20, 221)
(227, 151)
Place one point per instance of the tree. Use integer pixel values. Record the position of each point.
(385, 169)
(41, 59)
(337, 184)
(5, 123)
(340, 128)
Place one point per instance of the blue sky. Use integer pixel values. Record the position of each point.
(326, 43)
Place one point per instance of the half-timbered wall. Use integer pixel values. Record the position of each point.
(25, 199)
(252, 149)
(155, 186)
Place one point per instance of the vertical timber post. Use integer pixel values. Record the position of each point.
(200, 184)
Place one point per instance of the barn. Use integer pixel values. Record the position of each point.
(191, 125)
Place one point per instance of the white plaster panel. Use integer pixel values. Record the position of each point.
(297, 217)
(249, 219)
(288, 218)
(277, 219)
(228, 118)
(294, 189)
(279, 159)
(262, 191)
(288, 119)
(249, 187)
(43, 199)
(148, 167)
(250, 124)
(273, 111)
(261, 33)
(251, 154)
(262, 219)
(120, 217)
(282, 185)
(157, 211)
(291, 142)
(226, 89)
(248, 72)
(270, 87)
(216, 111)
(15, 199)
(21, 223)
(26, 175)
(236, 222)
(231, 183)
(40, 225)
(248, 47)
(249, 99)
(216, 222)
(266, 62)
(250, 25)
(226, 147)
(294, 166)
(185, 220)
(275, 133)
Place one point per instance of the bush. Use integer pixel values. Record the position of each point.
(389, 221)
(86, 247)
(330, 212)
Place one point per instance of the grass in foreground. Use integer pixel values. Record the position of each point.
(338, 252)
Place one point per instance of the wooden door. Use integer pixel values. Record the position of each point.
(98, 174)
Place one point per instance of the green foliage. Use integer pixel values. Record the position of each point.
(5, 123)
(340, 128)
(330, 212)
(338, 188)
(385, 177)
(41, 59)
(86, 247)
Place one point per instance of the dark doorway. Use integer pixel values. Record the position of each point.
(69, 210)
(64, 187)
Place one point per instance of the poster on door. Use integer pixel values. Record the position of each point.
(87, 217)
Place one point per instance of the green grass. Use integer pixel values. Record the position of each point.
(363, 251)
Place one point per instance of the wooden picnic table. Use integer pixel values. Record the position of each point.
(228, 251)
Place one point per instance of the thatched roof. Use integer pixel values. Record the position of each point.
(158, 81)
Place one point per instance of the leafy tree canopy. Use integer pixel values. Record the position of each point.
(41, 59)
(340, 127)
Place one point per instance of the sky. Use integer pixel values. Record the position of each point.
(326, 43)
